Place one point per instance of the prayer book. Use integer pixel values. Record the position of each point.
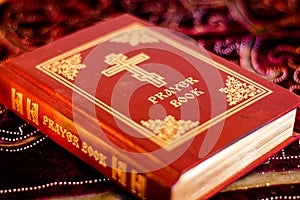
(150, 108)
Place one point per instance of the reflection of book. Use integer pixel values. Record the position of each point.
(152, 111)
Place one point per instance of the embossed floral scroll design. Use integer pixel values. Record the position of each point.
(68, 67)
(134, 38)
(236, 91)
(169, 128)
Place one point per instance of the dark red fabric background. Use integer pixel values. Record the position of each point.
(260, 36)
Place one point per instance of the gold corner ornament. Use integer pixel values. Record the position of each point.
(169, 128)
(134, 38)
(67, 67)
(236, 91)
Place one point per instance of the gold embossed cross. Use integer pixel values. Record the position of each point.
(121, 62)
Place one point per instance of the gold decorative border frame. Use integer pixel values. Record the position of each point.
(138, 127)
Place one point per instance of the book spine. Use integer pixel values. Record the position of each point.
(17, 95)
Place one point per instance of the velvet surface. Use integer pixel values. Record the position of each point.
(260, 36)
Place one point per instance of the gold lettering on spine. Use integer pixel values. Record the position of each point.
(119, 170)
(32, 111)
(17, 101)
(99, 157)
(60, 130)
(138, 184)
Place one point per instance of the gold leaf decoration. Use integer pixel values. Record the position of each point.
(169, 129)
(67, 67)
(134, 38)
(237, 91)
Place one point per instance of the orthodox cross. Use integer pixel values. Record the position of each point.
(121, 62)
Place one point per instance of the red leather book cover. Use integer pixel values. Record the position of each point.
(149, 108)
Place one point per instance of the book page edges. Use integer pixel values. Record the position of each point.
(229, 163)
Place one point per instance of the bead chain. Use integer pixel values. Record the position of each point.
(73, 183)
(282, 197)
(19, 138)
(52, 184)
(2, 110)
(20, 132)
(28, 146)
(283, 156)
